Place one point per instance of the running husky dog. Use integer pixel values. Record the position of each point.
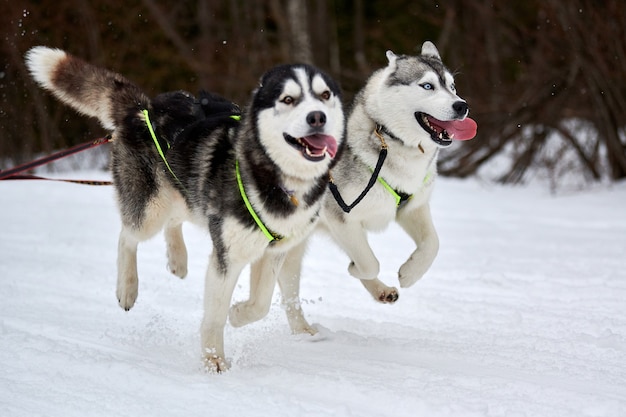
(401, 118)
(257, 184)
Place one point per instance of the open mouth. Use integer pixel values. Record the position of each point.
(314, 147)
(443, 132)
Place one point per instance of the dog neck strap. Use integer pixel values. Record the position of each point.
(399, 196)
(379, 164)
(269, 235)
(158, 147)
(335, 191)
(380, 129)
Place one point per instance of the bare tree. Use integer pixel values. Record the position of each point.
(544, 79)
(545, 74)
(299, 29)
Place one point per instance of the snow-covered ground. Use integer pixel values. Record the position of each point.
(522, 314)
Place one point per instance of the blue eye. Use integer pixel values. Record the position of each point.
(427, 86)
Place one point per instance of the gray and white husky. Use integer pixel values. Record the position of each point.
(408, 110)
(256, 184)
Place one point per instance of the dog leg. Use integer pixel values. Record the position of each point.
(419, 225)
(289, 283)
(155, 214)
(352, 239)
(127, 279)
(221, 278)
(263, 275)
(176, 250)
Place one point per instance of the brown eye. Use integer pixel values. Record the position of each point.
(288, 100)
(325, 95)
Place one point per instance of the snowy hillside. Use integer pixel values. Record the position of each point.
(522, 314)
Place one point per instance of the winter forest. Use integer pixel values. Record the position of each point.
(546, 80)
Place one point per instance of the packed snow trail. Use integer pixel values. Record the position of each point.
(522, 314)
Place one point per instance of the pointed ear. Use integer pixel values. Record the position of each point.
(391, 57)
(429, 48)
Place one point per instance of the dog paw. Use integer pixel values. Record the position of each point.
(409, 274)
(126, 292)
(126, 298)
(388, 296)
(307, 330)
(295, 317)
(380, 291)
(215, 364)
(303, 328)
(418, 263)
(178, 269)
(241, 314)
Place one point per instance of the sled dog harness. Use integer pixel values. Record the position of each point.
(269, 235)
(399, 196)
(158, 147)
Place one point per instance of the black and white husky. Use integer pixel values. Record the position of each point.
(404, 115)
(256, 184)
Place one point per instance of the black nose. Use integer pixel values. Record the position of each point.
(460, 107)
(316, 119)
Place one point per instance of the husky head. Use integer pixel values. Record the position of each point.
(415, 98)
(299, 119)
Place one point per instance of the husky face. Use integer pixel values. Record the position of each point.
(417, 98)
(300, 120)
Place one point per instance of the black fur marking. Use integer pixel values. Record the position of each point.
(330, 82)
(198, 138)
(273, 81)
(317, 191)
(215, 229)
(267, 181)
(405, 73)
(437, 66)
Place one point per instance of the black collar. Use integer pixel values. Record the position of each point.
(382, 129)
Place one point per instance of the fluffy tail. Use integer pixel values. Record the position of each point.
(90, 90)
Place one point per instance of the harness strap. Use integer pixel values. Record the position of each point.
(375, 176)
(269, 235)
(400, 196)
(333, 188)
(158, 147)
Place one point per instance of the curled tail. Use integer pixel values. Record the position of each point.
(88, 89)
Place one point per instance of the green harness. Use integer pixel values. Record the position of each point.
(268, 234)
(156, 143)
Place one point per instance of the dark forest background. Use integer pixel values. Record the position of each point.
(545, 80)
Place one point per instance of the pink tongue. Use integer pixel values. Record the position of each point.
(316, 144)
(461, 129)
